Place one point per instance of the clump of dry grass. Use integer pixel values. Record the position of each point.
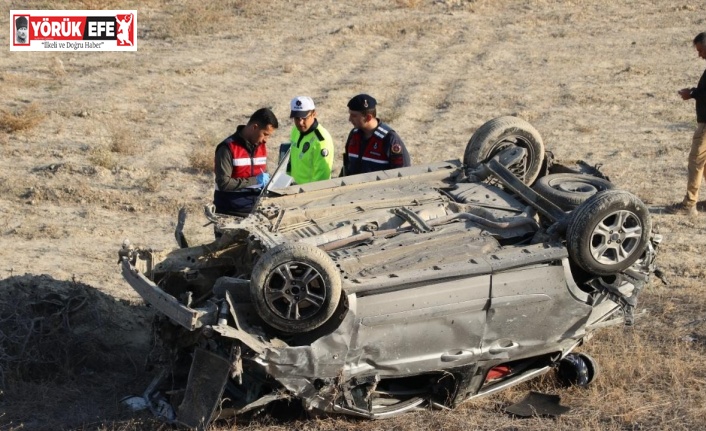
(123, 140)
(103, 157)
(584, 128)
(201, 155)
(21, 119)
(201, 159)
(153, 183)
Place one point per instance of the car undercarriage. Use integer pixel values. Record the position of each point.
(380, 293)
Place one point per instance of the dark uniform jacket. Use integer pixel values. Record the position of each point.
(699, 93)
(383, 150)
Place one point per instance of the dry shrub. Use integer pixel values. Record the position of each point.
(123, 140)
(51, 231)
(288, 68)
(202, 153)
(137, 115)
(201, 159)
(62, 343)
(585, 128)
(153, 183)
(21, 119)
(103, 157)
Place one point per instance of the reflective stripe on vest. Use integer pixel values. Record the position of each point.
(245, 166)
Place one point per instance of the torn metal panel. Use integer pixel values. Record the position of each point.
(207, 379)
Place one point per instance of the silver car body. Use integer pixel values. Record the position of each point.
(450, 289)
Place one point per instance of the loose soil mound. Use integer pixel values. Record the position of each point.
(79, 348)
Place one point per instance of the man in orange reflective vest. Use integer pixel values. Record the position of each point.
(241, 164)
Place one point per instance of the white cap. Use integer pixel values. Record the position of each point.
(300, 106)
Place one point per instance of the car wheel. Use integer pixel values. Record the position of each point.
(501, 133)
(570, 190)
(592, 365)
(577, 369)
(608, 232)
(295, 287)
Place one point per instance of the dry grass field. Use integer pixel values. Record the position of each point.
(99, 147)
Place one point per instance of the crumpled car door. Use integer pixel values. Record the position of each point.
(532, 311)
(424, 328)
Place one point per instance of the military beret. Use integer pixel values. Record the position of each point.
(362, 102)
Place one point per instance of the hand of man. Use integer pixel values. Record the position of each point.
(685, 93)
(263, 179)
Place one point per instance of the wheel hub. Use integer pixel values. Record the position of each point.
(295, 291)
(616, 237)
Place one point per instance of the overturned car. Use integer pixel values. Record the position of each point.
(375, 294)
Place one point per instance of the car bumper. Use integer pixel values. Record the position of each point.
(189, 318)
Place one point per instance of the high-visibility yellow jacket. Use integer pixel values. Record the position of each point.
(311, 154)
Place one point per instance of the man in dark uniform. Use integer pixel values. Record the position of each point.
(241, 164)
(697, 155)
(372, 145)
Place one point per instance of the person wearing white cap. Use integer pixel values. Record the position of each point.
(311, 151)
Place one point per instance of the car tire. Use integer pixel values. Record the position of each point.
(501, 133)
(577, 369)
(295, 287)
(608, 232)
(593, 368)
(568, 191)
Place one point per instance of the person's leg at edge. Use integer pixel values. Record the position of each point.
(697, 160)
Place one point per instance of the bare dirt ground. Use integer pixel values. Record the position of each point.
(99, 147)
